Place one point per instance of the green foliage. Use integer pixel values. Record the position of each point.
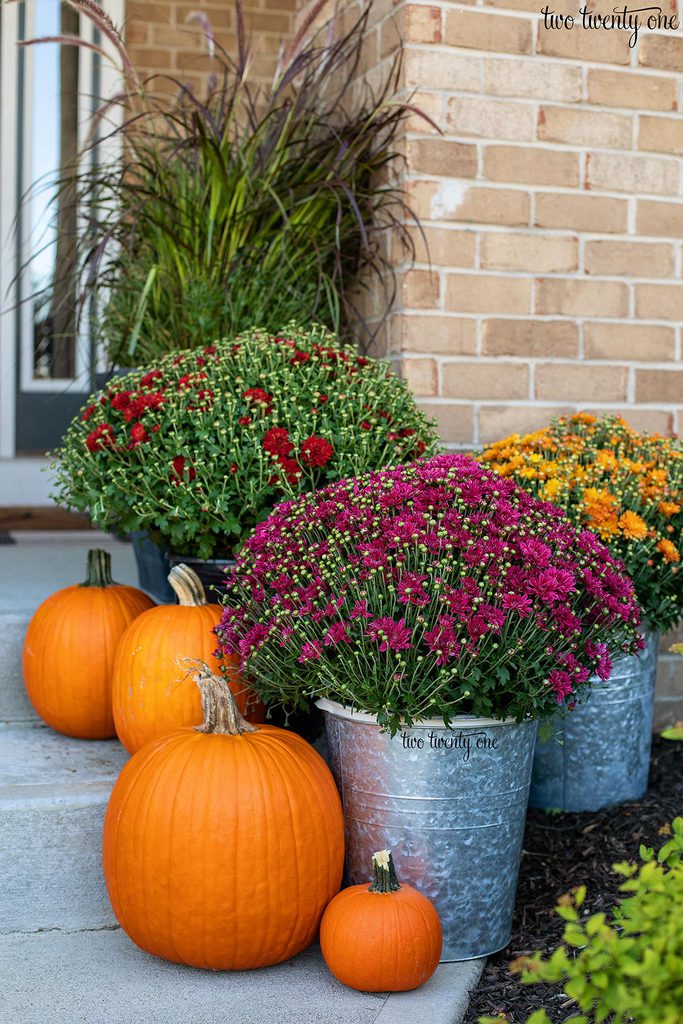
(628, 966)
(249, 206)
(182, 450)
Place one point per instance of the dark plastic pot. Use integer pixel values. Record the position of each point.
(211, 571)
(153, 566)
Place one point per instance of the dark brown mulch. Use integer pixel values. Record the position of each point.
(561, 851)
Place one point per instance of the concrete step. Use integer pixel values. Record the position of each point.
(30, 570)
(53, 795)
(100, 977)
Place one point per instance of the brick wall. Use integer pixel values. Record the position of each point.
(552, 204)
(160, 39)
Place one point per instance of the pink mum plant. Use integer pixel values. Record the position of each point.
(432, 589)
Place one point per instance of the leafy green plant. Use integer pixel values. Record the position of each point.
(198, 449)
(249, 206)
(627, 968)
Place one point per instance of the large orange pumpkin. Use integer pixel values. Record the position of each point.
(381, 938)
(70, 646)
(151, 696)
(223, 844)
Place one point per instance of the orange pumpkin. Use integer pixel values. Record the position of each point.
(150, 695)
(223, 844)
(381, 938)
(70, 646)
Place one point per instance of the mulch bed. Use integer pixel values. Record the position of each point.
(561, 851)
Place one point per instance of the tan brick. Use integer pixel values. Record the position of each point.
(629, 259)
(442, 335)
(154, 58)
(489, 118)
(533, 79)
(455, 423)
(138, 33)
(625, 173)
(421, 375)
(632, 342)
(660, 51)
(660, 386)
(420, 289)
(650, 421)
(478, 380)
(468, 293)
(659, 302)
(569, 382)
(531, 166)
(426, 116)
(513, 5)
(660, 134)
(655, 218)
(498, 421)
(530, 338)
(584, 44)
(626, 89)
(581, 213)
(421, 24)
(532, 252)
(442, 157)
(455, 72)
(441, 247)
(581, 298)
(481, 30)
(584, 127)
(481, 205)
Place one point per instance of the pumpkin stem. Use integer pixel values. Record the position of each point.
(384, 877)
(99, 569)
(222, 717)
(187, 586)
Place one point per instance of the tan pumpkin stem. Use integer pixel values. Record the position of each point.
(187, 586)
(222, 717)
(99, 569)
(384, 878)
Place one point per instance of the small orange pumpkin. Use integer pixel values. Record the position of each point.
(381, 938)
(223, 844)
(150, 695)
(70, 646)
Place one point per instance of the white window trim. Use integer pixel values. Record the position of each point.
(9, 317)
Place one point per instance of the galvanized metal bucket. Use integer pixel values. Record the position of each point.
(450, 803)
(600, 754)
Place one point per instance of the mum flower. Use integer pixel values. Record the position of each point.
(625, 487)
(435, 588)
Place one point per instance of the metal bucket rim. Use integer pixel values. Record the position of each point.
(333, 707)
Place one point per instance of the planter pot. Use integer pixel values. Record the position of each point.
(153, 566)
(450, 803)
(211, 571)
(604, 754)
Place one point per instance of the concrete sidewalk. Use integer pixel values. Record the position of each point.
(62, 956)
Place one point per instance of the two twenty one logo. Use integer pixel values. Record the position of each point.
(465, 740)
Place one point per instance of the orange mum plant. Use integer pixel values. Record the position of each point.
(625, 486)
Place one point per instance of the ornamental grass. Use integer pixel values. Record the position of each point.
(625, 486)
(432, 589)
(198, 449)
(240, 203)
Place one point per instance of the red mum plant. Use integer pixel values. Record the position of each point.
(432, 589)
(200, 448)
